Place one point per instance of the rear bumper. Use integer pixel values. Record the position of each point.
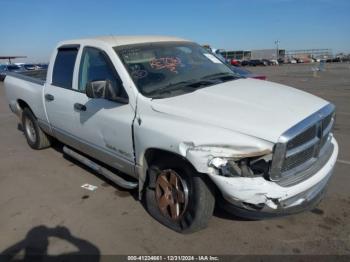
(259, 198)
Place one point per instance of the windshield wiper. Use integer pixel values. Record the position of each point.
(221, 76)
(189, 86)
(169, 87)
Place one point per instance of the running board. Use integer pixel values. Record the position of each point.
(100, 170)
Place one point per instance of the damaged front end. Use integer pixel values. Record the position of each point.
(243, 177)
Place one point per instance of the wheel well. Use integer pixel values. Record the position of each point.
(22, 104)
(155, 153)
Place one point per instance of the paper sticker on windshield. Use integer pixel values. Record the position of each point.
(213, 58)
(169, 63)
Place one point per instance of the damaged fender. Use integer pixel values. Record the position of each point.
(200, 156)
(253, 190)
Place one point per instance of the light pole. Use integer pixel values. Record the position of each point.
(277, 50)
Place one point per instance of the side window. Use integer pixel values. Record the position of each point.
(94, 66)
(63, 68)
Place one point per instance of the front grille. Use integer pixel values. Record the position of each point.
(291, 180)
(302, 138)
(326, 121)
(298, 159)
(324, 139)
(302, 145)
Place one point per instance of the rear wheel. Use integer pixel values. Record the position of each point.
(36, 138)
(178, 197)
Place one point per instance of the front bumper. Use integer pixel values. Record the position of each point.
(257, 198)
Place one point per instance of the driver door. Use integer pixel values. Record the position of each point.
(103, 126)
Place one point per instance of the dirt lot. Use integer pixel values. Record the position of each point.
(42, 202)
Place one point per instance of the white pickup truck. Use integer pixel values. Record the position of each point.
(180, 126)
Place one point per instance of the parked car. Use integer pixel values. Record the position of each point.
(280, 61)
(235, 62)
(257, 62)
(245, 63)
(299, 60)
(267, 62)
(4, 69)
(42, 66)
(253, 62)
(29, 66)
(180, 127)
(2, 72)
(274, 62)
(333, 60)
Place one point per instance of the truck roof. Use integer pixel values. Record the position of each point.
(114, 40)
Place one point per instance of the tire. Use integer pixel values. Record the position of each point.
(193, 213)
(36, 138)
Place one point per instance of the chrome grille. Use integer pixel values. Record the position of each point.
(302, 138)
(291, 180)
(324, 140)
(300, 146)
(298, 159)
(326, 121)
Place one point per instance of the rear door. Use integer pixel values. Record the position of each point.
(59, 94)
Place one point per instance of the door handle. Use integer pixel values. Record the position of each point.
(79, 107)
(49, 97)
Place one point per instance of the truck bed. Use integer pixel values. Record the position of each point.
(27, 86)
(35, 76)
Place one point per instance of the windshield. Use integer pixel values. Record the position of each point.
(241, 71)
(172, 68)
(222, 59)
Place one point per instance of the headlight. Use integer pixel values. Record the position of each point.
(226, 167)
(218, 162)
(246, 167)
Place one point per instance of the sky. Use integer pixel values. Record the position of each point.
(33, 27)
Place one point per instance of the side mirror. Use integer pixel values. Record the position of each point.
(97, 89)
(104, 89)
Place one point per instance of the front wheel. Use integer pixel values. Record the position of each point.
(178, 197)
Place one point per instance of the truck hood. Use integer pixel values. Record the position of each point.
(253, 107)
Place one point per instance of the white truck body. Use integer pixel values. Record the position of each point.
(232, 120)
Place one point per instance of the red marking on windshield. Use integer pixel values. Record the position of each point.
(169, 63)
